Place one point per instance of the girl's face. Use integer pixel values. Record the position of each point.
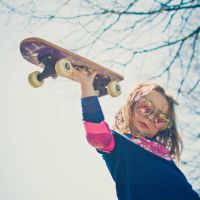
(145, 124)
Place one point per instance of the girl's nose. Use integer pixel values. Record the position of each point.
(151, 117)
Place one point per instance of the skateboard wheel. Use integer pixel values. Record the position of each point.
(64, 68)
(97, 92)
(33, 80)
(114, 89)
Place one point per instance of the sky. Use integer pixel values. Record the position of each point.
(43, 150)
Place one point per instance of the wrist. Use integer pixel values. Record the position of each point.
(87, 90)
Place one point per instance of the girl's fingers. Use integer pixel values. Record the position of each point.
(81, 76)
(93, 74)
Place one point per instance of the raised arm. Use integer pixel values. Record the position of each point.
(98, 132)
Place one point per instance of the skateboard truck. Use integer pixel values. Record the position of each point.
(49, 67)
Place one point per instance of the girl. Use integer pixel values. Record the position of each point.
(139, 152)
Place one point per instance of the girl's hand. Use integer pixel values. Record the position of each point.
(84, 78)
(86, 81)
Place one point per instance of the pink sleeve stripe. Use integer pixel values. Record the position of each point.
(99, 136)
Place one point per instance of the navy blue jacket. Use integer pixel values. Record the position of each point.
(138, 173)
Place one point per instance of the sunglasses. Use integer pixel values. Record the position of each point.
(145, 108)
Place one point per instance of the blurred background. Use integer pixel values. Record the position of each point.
(43, 150)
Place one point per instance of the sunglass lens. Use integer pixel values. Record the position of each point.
(144, 107)
(162, 121)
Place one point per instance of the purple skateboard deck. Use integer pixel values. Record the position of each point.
(45, 55)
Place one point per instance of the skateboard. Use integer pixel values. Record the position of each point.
(56, 61)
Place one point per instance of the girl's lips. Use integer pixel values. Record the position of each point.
(143, 125)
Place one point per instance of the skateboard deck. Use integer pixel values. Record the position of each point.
(55, 61)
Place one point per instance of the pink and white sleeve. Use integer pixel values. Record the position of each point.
(99, 136)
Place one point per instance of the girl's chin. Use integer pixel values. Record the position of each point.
(149, 135)
(144, 132)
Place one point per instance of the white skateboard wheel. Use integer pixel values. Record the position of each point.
(33, 80)
(64, 68)
(114, 89)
